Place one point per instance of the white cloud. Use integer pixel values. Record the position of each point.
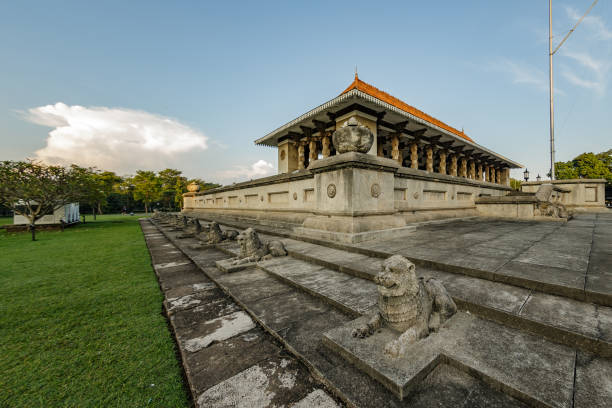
(261, 168)
(593, 22)
(597, 66)
(584, 83)
(523, 74)
(599, 71)
(116, 139)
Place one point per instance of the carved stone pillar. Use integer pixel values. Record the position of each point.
(395, 153)
(479, 175)
(442, 165)
(507, 177)
(301, 157)
(453, 165)
(314, 153)
(463, 168)
(429, 155)
(472, 170)
(414, 156)
(498, 176)
(492, 179)
(325, 151)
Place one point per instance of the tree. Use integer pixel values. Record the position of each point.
(147, 187)
(565, 170)
(586, 165)
(606, 158)
(33, 190)
(92, 192)
(108, 183)
(515, 184)
(173, 184)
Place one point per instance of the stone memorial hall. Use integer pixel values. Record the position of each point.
(388, 264)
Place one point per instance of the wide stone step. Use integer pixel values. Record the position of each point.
(353, 295)
(567, 321)
(479, 261)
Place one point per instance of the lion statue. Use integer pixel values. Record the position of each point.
(413, 306)
(252, 249)
(215, 235)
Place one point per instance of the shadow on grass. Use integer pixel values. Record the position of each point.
(101, 221)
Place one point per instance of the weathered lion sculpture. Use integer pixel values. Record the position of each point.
(252, 249)
(413, 306)
(215, 235)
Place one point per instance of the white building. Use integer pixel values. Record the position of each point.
(69, 213)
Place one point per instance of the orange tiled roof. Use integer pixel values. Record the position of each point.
(391, 100)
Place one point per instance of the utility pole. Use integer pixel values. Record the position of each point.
(552, 52)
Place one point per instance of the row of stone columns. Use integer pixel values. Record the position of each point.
(313, 149)
(459, 166)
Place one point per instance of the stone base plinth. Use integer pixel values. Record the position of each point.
(226, 266)
(506, 359)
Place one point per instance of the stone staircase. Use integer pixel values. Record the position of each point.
(517, 317)
(345, 280)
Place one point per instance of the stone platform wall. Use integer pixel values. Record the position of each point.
(349, 185)
(419, 195)
(583, 195)
(285, 197)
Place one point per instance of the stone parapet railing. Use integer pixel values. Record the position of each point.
(578, 194)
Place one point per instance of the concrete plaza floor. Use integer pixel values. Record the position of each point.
(572, 259)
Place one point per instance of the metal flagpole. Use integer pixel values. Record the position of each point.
(552, 52)
(551, 96)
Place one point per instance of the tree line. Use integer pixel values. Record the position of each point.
(586, 165)
(33, 189)
(143, 191)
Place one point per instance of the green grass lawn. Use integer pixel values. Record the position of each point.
(6, 220)
(81, 322)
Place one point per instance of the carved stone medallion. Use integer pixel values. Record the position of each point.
(416, 195)
(331, 190)
(295, 196)
(375, 190)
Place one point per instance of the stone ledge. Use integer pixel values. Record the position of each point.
(354, 160)
(353, 238)
(407, 172)
(567, 181)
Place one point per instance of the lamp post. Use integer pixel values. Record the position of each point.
(539, 178)
(526, 175)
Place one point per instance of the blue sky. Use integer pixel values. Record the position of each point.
(151, 84)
